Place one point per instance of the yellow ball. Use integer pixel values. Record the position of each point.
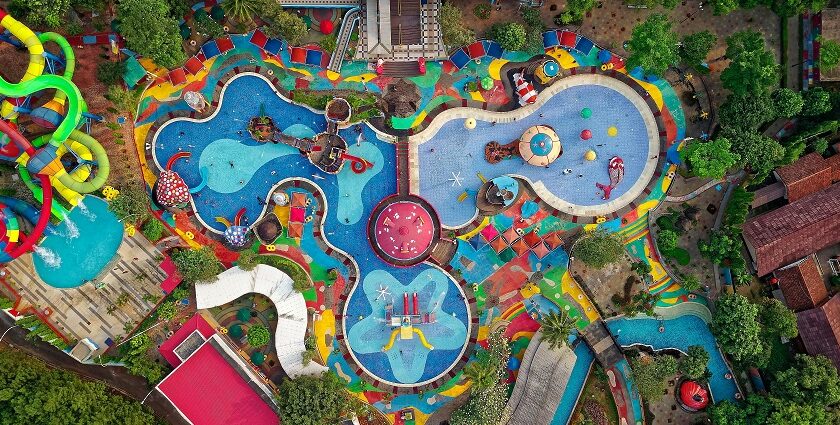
(590, 155)
(612, 131)
(469, 123)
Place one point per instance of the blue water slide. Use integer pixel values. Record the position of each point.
(26, 210)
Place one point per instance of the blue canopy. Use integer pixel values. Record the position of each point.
(550, 39)
(529, 208)
(604, 56)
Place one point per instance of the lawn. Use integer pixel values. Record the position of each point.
(596, 389)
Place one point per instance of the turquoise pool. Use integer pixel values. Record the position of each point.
(81, 246)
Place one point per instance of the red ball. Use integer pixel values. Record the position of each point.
(586, 134)
(326, 27)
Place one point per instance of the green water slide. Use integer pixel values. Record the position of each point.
(69, 59)
(102, 163)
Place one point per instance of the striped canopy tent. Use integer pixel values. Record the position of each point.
(540, 145)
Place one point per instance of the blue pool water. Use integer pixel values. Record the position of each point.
(680, 333)
(83, 243)
(583, 363)
(461, 151)
(407, 361)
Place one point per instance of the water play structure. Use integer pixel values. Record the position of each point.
(46, 157)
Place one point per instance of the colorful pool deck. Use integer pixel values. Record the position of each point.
(504, 269)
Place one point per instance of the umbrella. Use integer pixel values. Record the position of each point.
(244, 314)
(199, 14)
(257, 358)
(235, 331)
(217, 13)
(529, 208)
(487, 83)
(307, 20)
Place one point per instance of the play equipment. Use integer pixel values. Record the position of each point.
(524, 89)
(547, 71)
(586, 134)
(235, 234)
(46, 161)
(540, 145)
(469, 123)
(590, 155)
(171, 191)
(616, 171)
(585, 113)
(612, 131)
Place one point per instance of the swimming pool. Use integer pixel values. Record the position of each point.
(454, 151)
(679, 334)
(81, 246)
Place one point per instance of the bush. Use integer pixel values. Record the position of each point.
(291, 268)
(282, 24)
(667, 240)
(196, 265)
(150, 31)
(167, 311)
(599, 248)
(511, 35)
(329, 43)
(131, 205)
(452, 27)
(817, 102)
(206, 26)
(153, 229)
(258, 336)
(482, 10)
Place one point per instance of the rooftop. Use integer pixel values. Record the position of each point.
(195, 324)
(802, 285)
(807, 175)
(819, 329)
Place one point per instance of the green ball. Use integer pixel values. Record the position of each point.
(585, 112)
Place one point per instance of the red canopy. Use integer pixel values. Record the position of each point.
(327, 26)
(693, 395)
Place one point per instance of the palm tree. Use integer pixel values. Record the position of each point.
(556, 328)
(482, 373)
(241, 10)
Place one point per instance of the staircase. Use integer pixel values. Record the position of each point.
(401, 69)
(403, 171)
(351, 19)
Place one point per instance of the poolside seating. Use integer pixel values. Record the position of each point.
(477, 50)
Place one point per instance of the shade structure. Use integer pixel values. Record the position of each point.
(586, 134)
(510, 235)
(604, 56)
(235, 331)
(257, 358)
(585, 113)
(217, 13)
(540, 250)
(540, 146)
(489, 233)
(244, 314)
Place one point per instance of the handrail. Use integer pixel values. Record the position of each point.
(351, 18)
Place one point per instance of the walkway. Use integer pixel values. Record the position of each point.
(696, 192)
(609, 355)
(348, 23)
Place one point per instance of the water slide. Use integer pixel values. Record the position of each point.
(23, 209)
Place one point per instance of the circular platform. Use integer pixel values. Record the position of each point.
(403, 230)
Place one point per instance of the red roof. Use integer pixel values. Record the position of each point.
(167, 349)
(194, 65)
(224, 44)
(819, 329)
(807, 175)
(207, 390)
(794, 231)
(177, 76)
(802, 285)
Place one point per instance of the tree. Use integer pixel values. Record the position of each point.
(727, 413)
(316, 400)
(167, 310)
(693, 363)
(737, 330)
(746, 111)
(511, 35)
(282, 24)
(49, 13)
(598, 248)
(667, 240)
(690, 283)
(777, 319)
(241, 11)
(196, 265)
(206, 26)
(150, 31)
(258, 336)
(720, 247)
(576, 10)
(696, 46)
(109, 72)
(800, 414)
(724, 7)
(641, 302)
(817, 102)
(153, 229)
(653, 45)
(810, 379)
(131, 205)
(453, 29)
(123, 99)
(651, 373)
(829, 55)
(556, 328)
(709, 159)
(329, 43)
(787, 103)
(247, 260)
(33, 393)
(753, 69)
(484, 408)
(641, 268)
(760, 154)
(137, 361)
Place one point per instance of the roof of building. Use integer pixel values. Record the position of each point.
(210, 387)
(196, 323)
(802, 285)
(830, 30)
(789, 233)
(834, 162)
(807, 175)
(819, 329)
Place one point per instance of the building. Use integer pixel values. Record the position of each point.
(788, 234)
(819, 329)
(807, 175)
(802, 284)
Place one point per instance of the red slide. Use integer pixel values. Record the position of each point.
(46, 186)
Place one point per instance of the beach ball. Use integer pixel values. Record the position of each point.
(326, 26)
(469, 123)
(590, 155)
(612, 131)
(585, 113)
(586, 134)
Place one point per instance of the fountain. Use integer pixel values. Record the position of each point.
(72, 228)
(85, 211)
(50, 258)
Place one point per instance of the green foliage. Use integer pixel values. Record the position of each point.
(753, 68)
(33, 393)
(131, 205)
(746, 111)
(150, 31)
(738, 207)
(693, 363)
(281, 24)
(724, 7)
(206, 26)
(696, 46)
(167, 311)
(135, 356)
(196, 265)
(153, 229)
(599, 248)
(484, 408)
(258, 336)
(641, 268)
(511, 35)
(329, 43)
(759, 154)
(651, 374)
(48, 13)
(123, 99)
(316, 400)
(709, 159)
(453, 28)
(811, 379)
(690, 282)
(248, 260)
(653, 45)
(482, 10)
(556, 328)
(110, 73)
(787, 103)
(817, 102)
(829, 55)
(641, 302)
(242, 11)
(5, 303)
(534, 29)
(736, 327)
(576, 10)
(777, 319)
(486, 373)
(667, 240)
